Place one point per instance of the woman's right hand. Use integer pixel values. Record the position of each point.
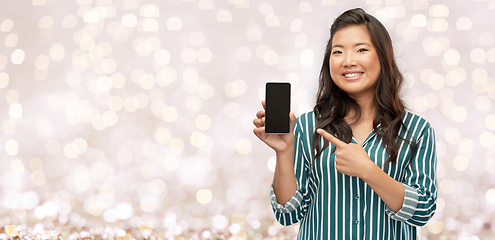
(281, 143)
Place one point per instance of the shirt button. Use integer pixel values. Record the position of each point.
(356, 197)
(356, 222)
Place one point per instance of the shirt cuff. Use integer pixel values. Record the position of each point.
(409, 205)
(293, 204)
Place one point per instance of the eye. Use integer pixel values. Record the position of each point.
(362, 50)
(337, 52)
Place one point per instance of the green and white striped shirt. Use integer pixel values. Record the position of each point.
(332, 205)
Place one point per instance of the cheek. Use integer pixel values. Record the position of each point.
(334, 66)
(372, 64)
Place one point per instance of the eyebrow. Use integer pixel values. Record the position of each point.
(355, 45)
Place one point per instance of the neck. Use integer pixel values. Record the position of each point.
(367, 107)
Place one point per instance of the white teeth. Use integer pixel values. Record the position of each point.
(351, 75)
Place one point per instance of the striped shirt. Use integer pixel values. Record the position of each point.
(332, 205)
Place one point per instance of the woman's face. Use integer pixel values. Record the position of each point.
(354, 62)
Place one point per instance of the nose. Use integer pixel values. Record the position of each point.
(349, 60)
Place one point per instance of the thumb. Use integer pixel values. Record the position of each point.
(293, 119)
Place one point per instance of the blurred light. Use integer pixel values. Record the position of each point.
(69, 21)
(435, 227)
(125, 156)
(490, 196)
(220, 222)
(12, 97)
(176, 145)
(487, 139)
(17, 56)
(148, 171)
(447, 186)
(17, 167)
(464, 23)
(188, 55)
(254, 33)
(124, 211)
(483, 103)
(36, 164)
(149, 11)
(490, 122)
(206, 4)
(129, 20)
(452, 135)
(11, 147)
(11, 40)
(272, 20)
(270, 57)
(204, 55)
(420, 104)
(243, 146)
(91, 16)
(45, 22)
(460, 163)
(198, 139)
(465, 145)
(266, 9)
(203, 122)
(107, 191)
(149, 149)
(486, 39)
(271, 164)
(307, 57)
(204, 196)
(438, 25)
(30, 200)
(296, 25)
(452, 57)
(11, 230)
(171, 163)
(7, 25)
(455, 77)
(419, 20)
(158, 186)
(244, 54)
(235, 88)
(459, 114)
(305, 6)
(478, 55)
(439, 10)
(224, 15)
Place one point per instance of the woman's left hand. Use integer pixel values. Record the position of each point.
(350, 159)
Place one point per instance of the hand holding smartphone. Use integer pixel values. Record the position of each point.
(277, 108)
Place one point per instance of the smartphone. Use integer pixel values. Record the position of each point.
(277, 108)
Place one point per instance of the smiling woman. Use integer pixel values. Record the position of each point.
(354, 62)
(377, 180)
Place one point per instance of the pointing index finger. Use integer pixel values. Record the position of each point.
(331, 138)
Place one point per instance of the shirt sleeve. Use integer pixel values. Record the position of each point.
(420, 184)
(295, 209)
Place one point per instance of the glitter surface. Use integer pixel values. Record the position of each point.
(133, 119)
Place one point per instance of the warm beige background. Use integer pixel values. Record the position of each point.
(138, 113)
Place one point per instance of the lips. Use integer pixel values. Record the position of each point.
(353, 74)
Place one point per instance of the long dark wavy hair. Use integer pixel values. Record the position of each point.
(333, 104)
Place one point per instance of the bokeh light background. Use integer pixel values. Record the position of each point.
(121, 115)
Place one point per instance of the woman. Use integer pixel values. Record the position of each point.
(359, 166)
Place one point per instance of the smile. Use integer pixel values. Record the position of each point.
(353, 75)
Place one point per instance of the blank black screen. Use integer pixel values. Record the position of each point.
(277, 108)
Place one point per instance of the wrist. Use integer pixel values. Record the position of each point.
(370, 169)
(286, 153)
